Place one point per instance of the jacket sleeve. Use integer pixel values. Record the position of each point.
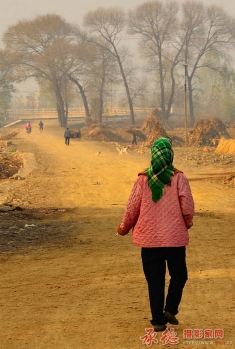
(132, 210)
(186, 200)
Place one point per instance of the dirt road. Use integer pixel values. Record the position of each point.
(67, 282)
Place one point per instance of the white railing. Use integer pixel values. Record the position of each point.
(74, 111)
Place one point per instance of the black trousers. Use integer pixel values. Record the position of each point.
(67, 139)
(154, 266)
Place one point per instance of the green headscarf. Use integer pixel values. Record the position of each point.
(161, 167)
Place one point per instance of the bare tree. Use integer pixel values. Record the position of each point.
(91, 72)
(106, 27)
(102, 73)
(224, 91)
(205, 30)
(156, 24)
(41, 49)
(80, 69)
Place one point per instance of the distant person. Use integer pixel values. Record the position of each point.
(134, 139)
(41, 125)
(159, 212)
(28, 127)
(67, 136)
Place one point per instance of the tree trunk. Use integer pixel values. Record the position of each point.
(127, 89)
(162, 88)
(101, 101)
(84, 98)
(171, 98)
(60, 109)
(59, 102)
(66, 112)
(191, 107)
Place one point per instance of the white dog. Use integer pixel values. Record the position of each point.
(122, 150)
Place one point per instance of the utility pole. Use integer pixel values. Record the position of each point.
(185, 104)
(111, 97)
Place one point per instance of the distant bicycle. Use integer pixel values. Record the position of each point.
(28, 127)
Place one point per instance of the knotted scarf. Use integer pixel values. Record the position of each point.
(161, 167)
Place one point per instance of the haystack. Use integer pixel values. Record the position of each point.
(153, 127)
(207, 132)
(103, 133)
(225, 146)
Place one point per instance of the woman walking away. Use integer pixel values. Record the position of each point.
(160, 211)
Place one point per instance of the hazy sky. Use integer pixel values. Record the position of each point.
(11, 11)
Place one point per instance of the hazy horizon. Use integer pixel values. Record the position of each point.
(12, 11)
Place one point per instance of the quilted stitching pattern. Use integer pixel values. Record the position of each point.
(164, 223)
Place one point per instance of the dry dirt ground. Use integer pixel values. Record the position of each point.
(67, 282)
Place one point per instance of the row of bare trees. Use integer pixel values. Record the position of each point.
(61, 56)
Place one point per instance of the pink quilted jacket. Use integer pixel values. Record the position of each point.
(164, 223)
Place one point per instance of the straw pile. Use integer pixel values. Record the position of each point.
(102, 133)
(207, 132)
(225, 146)
(153, 127)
